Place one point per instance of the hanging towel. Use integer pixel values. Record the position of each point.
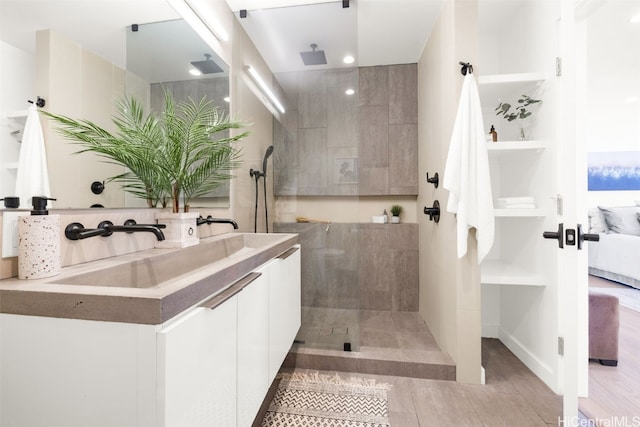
(32, 177)
(466, 174)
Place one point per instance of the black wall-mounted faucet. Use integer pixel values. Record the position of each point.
(211, 220)
(130, 226)
(76, 231)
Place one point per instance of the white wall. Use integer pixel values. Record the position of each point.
(17, 85)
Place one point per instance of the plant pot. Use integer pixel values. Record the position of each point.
(181, 231)
(395, 220)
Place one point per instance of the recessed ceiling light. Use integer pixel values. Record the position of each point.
(631, 99)
(195, 72)
(635, 19)
(349, 91)
(348, 59)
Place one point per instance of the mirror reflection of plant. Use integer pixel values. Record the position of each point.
(179, 154)
(520, 112)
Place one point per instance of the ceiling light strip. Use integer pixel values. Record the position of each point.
(209, 19)
(266, 89)
(208, 34)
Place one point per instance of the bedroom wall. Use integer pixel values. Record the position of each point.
(613, 95)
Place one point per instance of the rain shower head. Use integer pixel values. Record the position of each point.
(314, 57)
(208, 66)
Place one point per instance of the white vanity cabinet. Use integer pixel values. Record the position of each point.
(284, 306)
(197, 363)
(209, 366)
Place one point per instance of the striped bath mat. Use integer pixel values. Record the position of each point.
(315, 400)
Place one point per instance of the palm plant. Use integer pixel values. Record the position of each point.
(183, 153)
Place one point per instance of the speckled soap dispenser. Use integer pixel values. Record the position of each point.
(38, 242)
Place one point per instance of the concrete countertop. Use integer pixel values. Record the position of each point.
(52, 297)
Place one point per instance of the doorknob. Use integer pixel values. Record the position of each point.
(558, 235)
(586, 236)
(434, 212)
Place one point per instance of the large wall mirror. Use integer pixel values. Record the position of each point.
(156, 57)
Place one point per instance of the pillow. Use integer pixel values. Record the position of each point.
(622, 220)
(597, 224)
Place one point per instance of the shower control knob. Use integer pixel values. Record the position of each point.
(433, 212)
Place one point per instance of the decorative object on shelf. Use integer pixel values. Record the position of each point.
(494, 134)
(180, 154)
(396, 210)
(520, 112)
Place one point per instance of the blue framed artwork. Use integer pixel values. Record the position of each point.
(614, 171)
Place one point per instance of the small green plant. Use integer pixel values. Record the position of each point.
(519, 112)
(396, 210)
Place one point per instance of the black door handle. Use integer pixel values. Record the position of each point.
(557, 235)
(586, 236)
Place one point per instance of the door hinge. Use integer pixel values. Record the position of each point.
(559, 205)
(558, 66)
(561, 346)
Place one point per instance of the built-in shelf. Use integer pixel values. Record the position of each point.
(19, 114)
(11, 166)
(519, 213)
(514, 146)
(518, 78)
(501, 273)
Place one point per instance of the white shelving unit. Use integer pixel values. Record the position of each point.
(516, 169)
(16, 122)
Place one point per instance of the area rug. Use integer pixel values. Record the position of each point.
(316, 400)
(627, 297)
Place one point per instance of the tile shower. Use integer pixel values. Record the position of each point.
(351, 268)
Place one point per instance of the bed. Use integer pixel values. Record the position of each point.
(617, 255)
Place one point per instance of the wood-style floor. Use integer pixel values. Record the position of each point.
(512, 396)
(614, 392)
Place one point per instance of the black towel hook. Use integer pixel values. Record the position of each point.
(466, 66)
(40, 102)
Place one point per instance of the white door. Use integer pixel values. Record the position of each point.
(572, 259)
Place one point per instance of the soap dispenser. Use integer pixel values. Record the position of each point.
(38, 242)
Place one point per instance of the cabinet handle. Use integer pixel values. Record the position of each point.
(286, 254)
(232, 290)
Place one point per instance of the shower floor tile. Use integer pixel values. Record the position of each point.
(383, 342)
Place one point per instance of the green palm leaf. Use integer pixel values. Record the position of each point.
(184, 153)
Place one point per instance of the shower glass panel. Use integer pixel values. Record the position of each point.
(316, 154)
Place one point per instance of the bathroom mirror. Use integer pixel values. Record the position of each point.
(160, 52)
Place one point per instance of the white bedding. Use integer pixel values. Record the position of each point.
(616, 257)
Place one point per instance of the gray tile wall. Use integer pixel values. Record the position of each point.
(373, 134)
(358, 266)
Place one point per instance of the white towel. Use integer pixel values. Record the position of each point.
(466, 174)
(32, 177)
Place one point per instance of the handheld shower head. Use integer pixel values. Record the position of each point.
(268, 153)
